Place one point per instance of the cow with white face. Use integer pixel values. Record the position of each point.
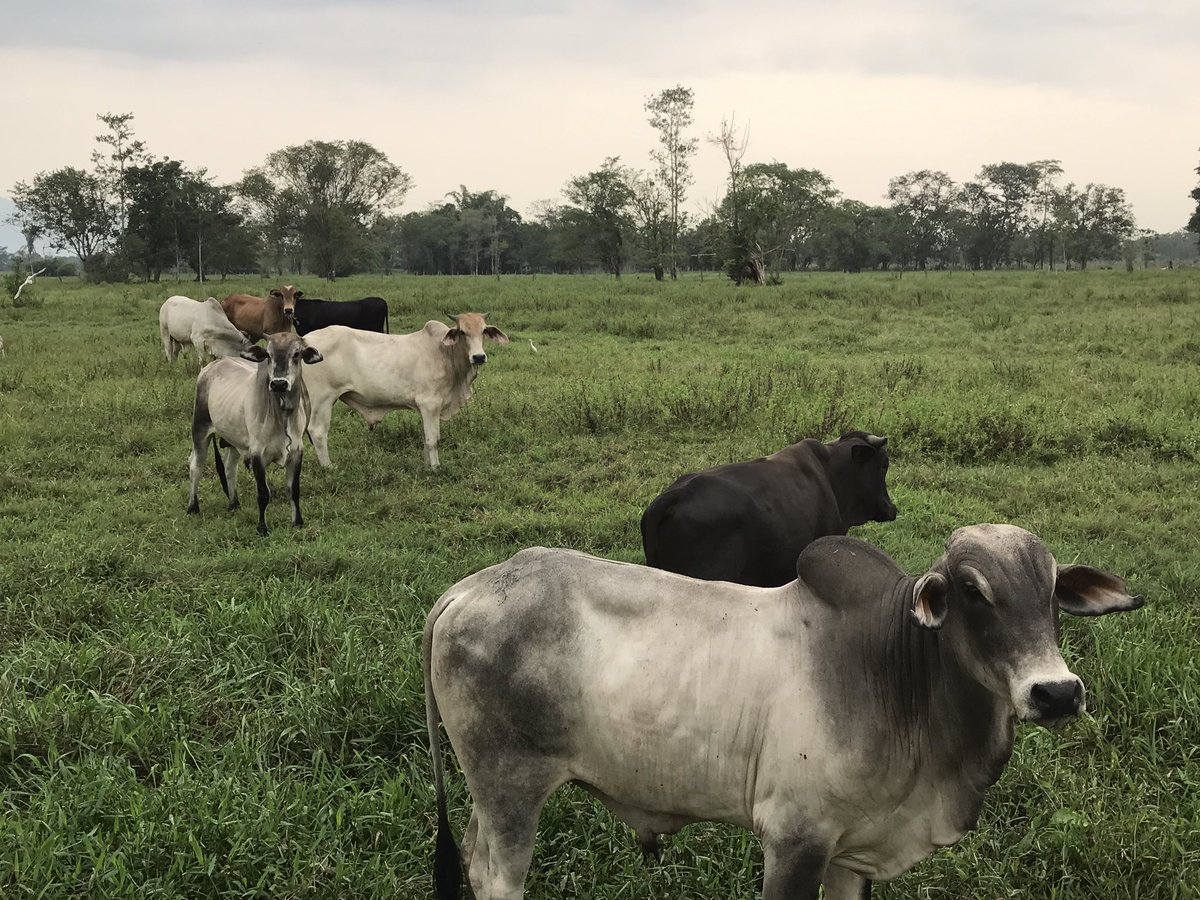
(255, 406)
(852, 718)
(430, 370)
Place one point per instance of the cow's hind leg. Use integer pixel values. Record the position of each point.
(202, 430)
(318, 429)
(231, 457)
(505, 818)
(264, 493)
(195, 470)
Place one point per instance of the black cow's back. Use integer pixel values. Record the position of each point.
(747, 522)
(368, 314)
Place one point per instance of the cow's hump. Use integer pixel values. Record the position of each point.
(843, 570)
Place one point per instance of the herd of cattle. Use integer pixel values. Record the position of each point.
(258, 402)
(763, 669)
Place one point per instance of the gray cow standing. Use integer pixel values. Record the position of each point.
(257, 407)
(852, 719)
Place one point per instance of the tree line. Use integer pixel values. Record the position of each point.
(329, 208)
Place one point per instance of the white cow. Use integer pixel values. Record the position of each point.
(430, 370)
(255, 406)
(852, 718)
(184, 322)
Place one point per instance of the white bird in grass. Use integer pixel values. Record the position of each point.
(531, 347)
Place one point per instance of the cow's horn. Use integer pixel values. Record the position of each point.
(876, 441)
(452, 316)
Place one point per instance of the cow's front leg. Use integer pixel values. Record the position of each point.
(264, 493)
(292, 470)
(793, 868)
(431, 421)
(842, 884)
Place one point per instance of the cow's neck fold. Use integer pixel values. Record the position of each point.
(955, 724)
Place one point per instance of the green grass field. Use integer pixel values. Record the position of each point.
(190, 710)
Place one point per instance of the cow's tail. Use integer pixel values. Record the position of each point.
(220, 466)
(386, 329)
(447, 866)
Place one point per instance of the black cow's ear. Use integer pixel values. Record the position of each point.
(862, 452)
(496, 334)
(311, 355)
(255, 354)
(451, 337)
(1088, 591)
(929, 600)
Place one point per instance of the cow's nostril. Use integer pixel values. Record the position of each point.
(1057, 698)
(278, 384)
(479, 359)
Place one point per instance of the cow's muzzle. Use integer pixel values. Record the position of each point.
(1053, 702)
(478, 359)
(279, 385)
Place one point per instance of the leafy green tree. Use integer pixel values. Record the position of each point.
(486, 221)
(157, 226)
(387, 243)
(670, 115)
(71, 208)
(123, 152)
(273, 220)
(1093, 222)
(995, 209)
(332, 190)
(924, 203)
(650, 208)
(1045, 197)
(853, 236)
(602, 201)
(432, 241)
(780, 211)
(740, 262)
(176, 217)
(567, 236)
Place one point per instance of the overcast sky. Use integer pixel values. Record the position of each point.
(520, 96)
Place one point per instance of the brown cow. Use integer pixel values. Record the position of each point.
(258, 317)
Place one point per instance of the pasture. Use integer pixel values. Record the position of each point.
(187, 709)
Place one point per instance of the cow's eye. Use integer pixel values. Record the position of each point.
(972, 592)
(296, 355)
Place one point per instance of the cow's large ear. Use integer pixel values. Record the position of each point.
(296, 295)
(451, 336)
(860, 453)
(1088, 591)
(255, 354)
(311, 355)
(496, 334)
(929, 600)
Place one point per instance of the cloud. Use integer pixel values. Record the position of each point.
(520, 96)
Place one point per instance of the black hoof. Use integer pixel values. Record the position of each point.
(262, 529)
(651, 850)
(234, 504)
(193, 508)
(298, 523)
